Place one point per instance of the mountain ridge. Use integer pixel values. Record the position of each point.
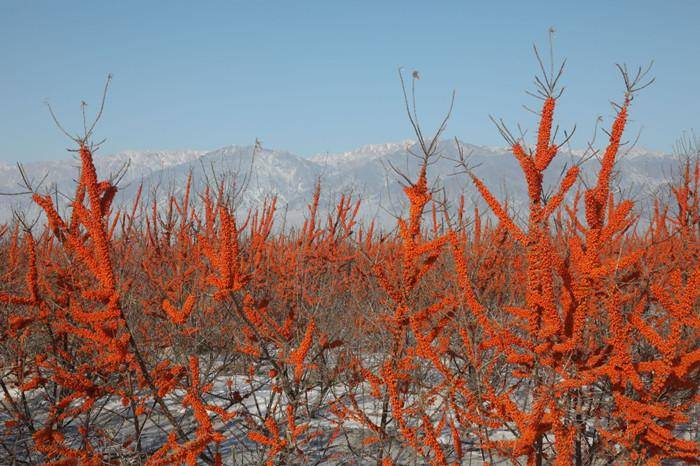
(364, 171)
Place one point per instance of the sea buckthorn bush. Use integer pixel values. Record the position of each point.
(186, 331)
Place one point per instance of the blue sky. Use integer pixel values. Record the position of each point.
(316, 76)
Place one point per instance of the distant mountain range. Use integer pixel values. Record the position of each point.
(364, 173)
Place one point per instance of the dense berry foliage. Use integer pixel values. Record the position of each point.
(170, 334)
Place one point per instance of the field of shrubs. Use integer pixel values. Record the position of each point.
(186, 331)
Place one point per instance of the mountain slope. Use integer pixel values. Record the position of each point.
(368, 172)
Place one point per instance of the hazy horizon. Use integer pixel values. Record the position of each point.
(70, 153)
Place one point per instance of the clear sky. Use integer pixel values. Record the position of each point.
(317, 76)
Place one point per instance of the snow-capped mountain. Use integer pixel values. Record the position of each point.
(362, 154)
(368, 173)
